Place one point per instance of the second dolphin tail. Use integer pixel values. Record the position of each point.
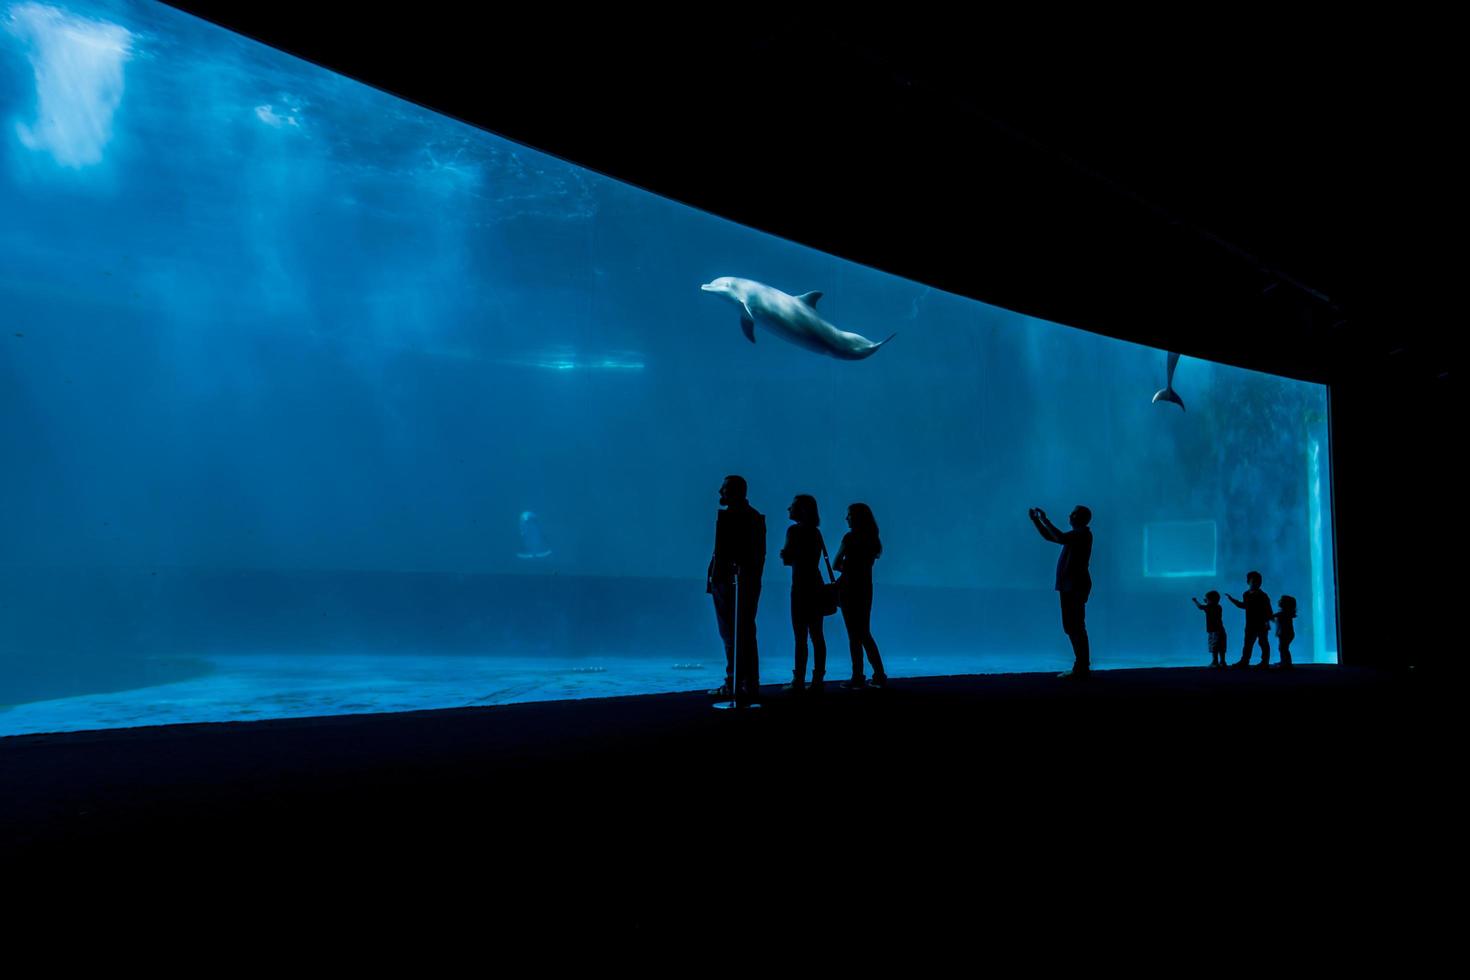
(1169, 395)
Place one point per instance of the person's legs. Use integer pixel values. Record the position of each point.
(724, 598)
(857, 611)
(1264, 639)
(819, 645)
(854, 638)
(1074, 624)
(799, 627)
(1245, 653)
(748, 663)
(871, 646)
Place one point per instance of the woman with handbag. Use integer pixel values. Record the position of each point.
(803, 550)
(860, 548)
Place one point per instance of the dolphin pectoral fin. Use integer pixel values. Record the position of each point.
(747, 325)
(810, 299)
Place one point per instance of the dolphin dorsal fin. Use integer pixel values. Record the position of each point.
(810, 299)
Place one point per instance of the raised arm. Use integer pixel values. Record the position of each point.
(1045, 527)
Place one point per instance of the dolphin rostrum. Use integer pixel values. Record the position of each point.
(792, 318)
(1168, 394)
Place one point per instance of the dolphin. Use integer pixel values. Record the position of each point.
(792, 318)
(533, 545)
(1168, 394)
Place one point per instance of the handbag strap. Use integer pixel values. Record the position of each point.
(821, 541)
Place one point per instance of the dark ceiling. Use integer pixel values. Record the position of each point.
(1256, 191)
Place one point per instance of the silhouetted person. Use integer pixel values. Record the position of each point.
(739, 558)
(1257, 606)
(861, 547)
(1214, 626)
(803, 552)
(1285, 628)
(1073, 581)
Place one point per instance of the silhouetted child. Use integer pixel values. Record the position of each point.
(1285, 629)
(1214, 626)
(1257, 606)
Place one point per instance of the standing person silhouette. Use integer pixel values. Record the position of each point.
(1257, 606)
(1073, 581)
(1214, 625)
(735, 571)
(860, 548)
(803, 552)
(1285, 630)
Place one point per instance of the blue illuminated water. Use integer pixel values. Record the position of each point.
(285, 362)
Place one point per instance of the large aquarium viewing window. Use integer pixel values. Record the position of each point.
(315, 402)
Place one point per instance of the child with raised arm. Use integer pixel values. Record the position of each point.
(1214, 626)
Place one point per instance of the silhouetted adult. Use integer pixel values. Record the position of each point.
(734, 577)
(803, 552)
(861, 547)
(1073, 582)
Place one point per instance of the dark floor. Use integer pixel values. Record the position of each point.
(1153, 799)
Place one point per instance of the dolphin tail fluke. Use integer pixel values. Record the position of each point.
(874, 349)
(1169, 395)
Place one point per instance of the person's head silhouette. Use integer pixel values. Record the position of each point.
(803, 510)
(1253, 579)
(733, 490)
(864, 525)
(1080, 516)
